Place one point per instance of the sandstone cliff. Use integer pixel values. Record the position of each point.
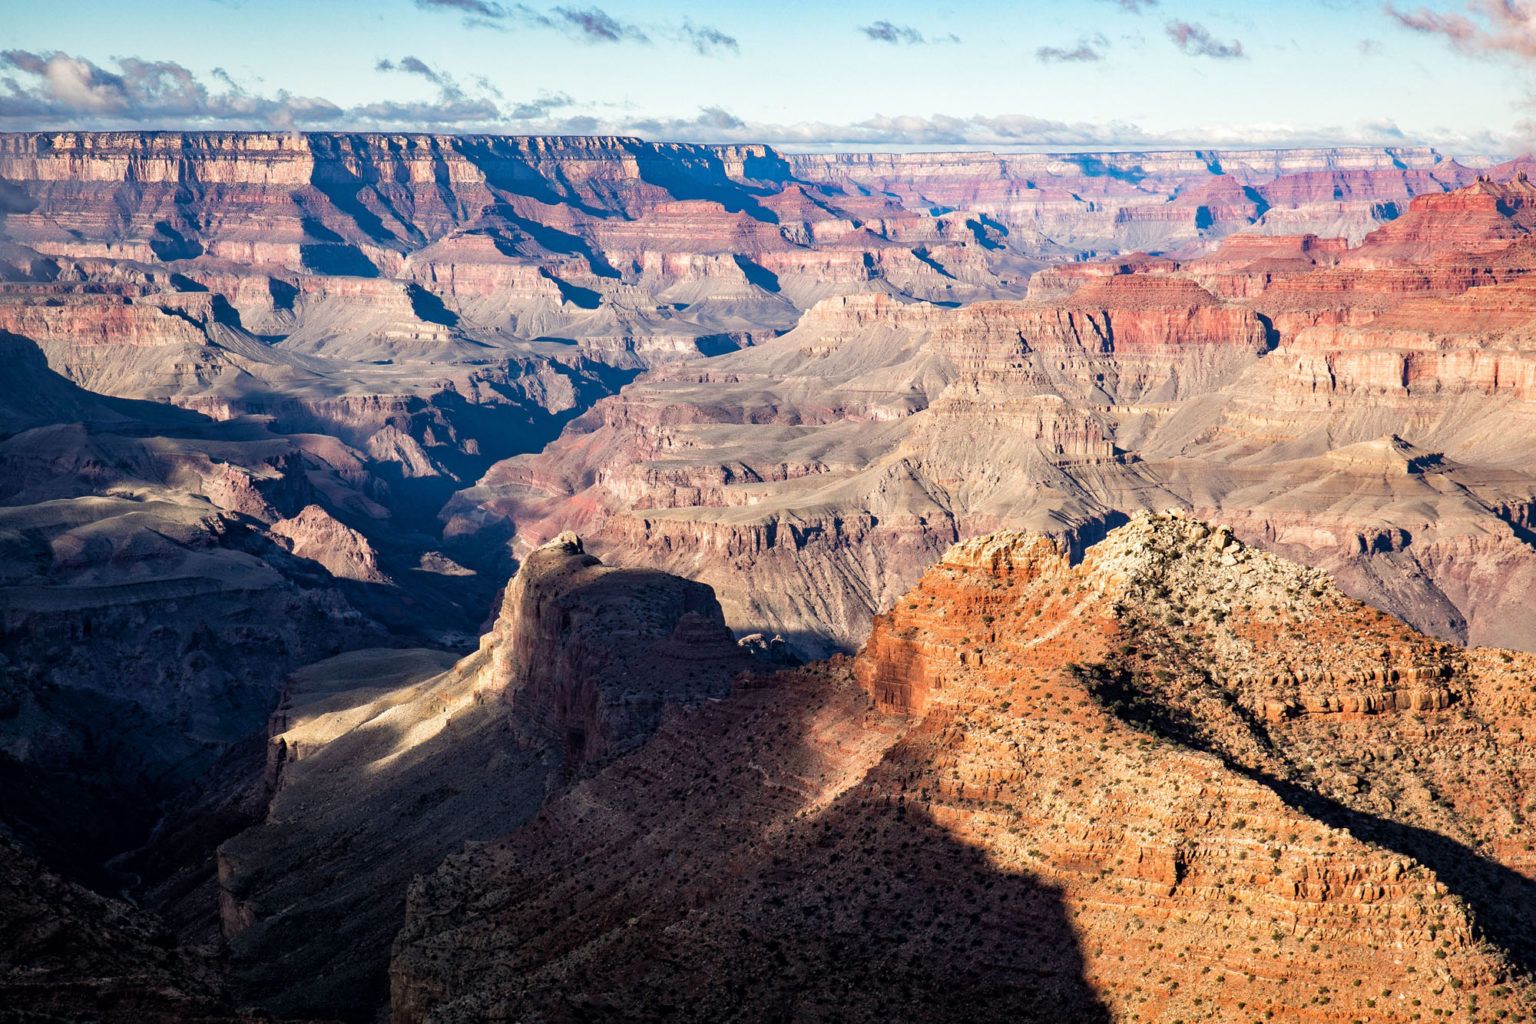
(1155, 200)
(386, 761)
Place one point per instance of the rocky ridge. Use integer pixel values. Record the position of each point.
(1201, 780)
(245, 370)
(383, 762)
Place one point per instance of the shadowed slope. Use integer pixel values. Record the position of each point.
(385, 763)
(1055, 721)
(68, 954)
(741, 868)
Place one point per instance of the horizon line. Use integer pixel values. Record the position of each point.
(833, 147)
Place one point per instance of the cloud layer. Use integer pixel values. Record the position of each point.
(41, 90)
(902, 35)
(58, 90)
(1086, 51)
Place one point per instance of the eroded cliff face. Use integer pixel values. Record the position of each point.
(1155, 201)
(1176, 778)
(1338, 403)
(386, 761)
(432, 303)
(442, 302)
(309, 200)
(841, 459)
(244, 371)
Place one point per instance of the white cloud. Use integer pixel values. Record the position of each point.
(56, 90)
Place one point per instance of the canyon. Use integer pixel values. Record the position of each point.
(1356, 408)
(694, 544)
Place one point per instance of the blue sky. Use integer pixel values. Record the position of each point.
(1086, 74)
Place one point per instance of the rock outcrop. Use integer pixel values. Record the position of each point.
(1153, 200)
(345, 553)
(386, 761)
(1176, 778)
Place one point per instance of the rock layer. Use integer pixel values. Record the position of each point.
(67, 953)
(1335, 402)
(244, 371)
(1179, 778)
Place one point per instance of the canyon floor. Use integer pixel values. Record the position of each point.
(454, 578)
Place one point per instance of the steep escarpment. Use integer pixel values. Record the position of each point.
(1269, 382)
(148, 612)
(1395, 360)
(841, 459)
(1158, 782)
(385, 761)
(245, 370)
(435, 302)
(560, 226)
(342, 202)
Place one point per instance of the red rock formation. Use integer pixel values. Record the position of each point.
(346, 554)
(1121, 201)
(1248, 794)
(356, 324)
